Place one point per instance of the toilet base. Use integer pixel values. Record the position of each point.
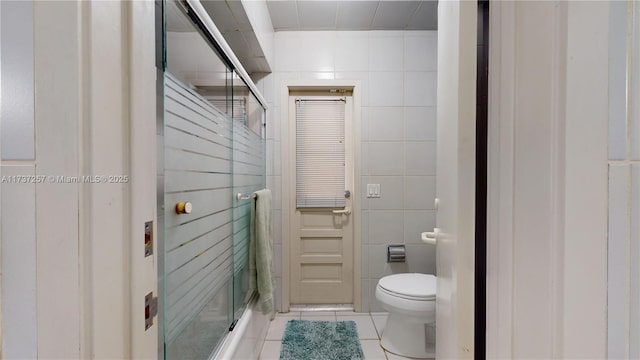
(407, 337)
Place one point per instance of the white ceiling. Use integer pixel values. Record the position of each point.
(289, 15)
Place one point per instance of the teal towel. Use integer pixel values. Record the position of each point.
(260, 249)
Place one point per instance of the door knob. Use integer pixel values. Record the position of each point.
(184, 207)
(346, 211)
(430, 237)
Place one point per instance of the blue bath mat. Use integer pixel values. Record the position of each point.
(321, 340)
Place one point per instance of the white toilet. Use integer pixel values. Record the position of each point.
(410, 300)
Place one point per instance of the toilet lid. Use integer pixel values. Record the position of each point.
(417, 286)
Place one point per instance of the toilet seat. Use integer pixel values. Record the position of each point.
(410, 286)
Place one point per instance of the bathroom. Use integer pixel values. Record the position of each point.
(382, 58)
(85, 93)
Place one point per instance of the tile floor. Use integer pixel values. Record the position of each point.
(369, 329)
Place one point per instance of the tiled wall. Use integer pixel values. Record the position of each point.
(397, 70)
(624, 184)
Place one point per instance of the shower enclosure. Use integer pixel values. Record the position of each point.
(211, 158)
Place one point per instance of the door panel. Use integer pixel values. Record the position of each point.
(321, 248)
(457, 35)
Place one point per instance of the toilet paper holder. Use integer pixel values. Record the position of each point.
(396, 253)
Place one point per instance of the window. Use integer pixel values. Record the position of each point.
(320, 152)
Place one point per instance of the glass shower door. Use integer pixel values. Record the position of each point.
(197, 214)
(212, 148)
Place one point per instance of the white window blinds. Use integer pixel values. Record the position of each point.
(320, 153)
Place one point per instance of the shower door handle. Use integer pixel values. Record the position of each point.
(346, 211)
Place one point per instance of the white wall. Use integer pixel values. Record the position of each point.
(547, 245)
(397, 70)
(80, 246)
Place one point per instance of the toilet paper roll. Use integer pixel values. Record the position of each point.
(396, 253)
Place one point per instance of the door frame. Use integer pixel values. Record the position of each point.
(286, 86)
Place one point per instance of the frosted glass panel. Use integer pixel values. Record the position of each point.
(198, 252)
(209, 154)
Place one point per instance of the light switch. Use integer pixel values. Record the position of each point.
(373, 190)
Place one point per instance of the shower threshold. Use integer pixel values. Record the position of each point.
(321, 307)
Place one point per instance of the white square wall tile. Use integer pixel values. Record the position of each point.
(315, 75)
(385, 52)
(364, 123)
(385, 123)
(316, 51)
(364, 201)
(278, 294)
(277, 260)
(379, 266)
(364, 232)
(279, 79)
(276, 229)
(385, 158)
(419, 192)
(364, 162)
(375, 306)
(287, 53)
(421, 258)
(420, 123)
(364, 294)
(364, 262)
(352, 53)
(387, 227)
(391, 192)
(416, 222)
(386, 88)
(420, 158)
(276, 193)
(269, 158)
(277, 158)
(273, 123)
(421, 51)
(420, 88)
